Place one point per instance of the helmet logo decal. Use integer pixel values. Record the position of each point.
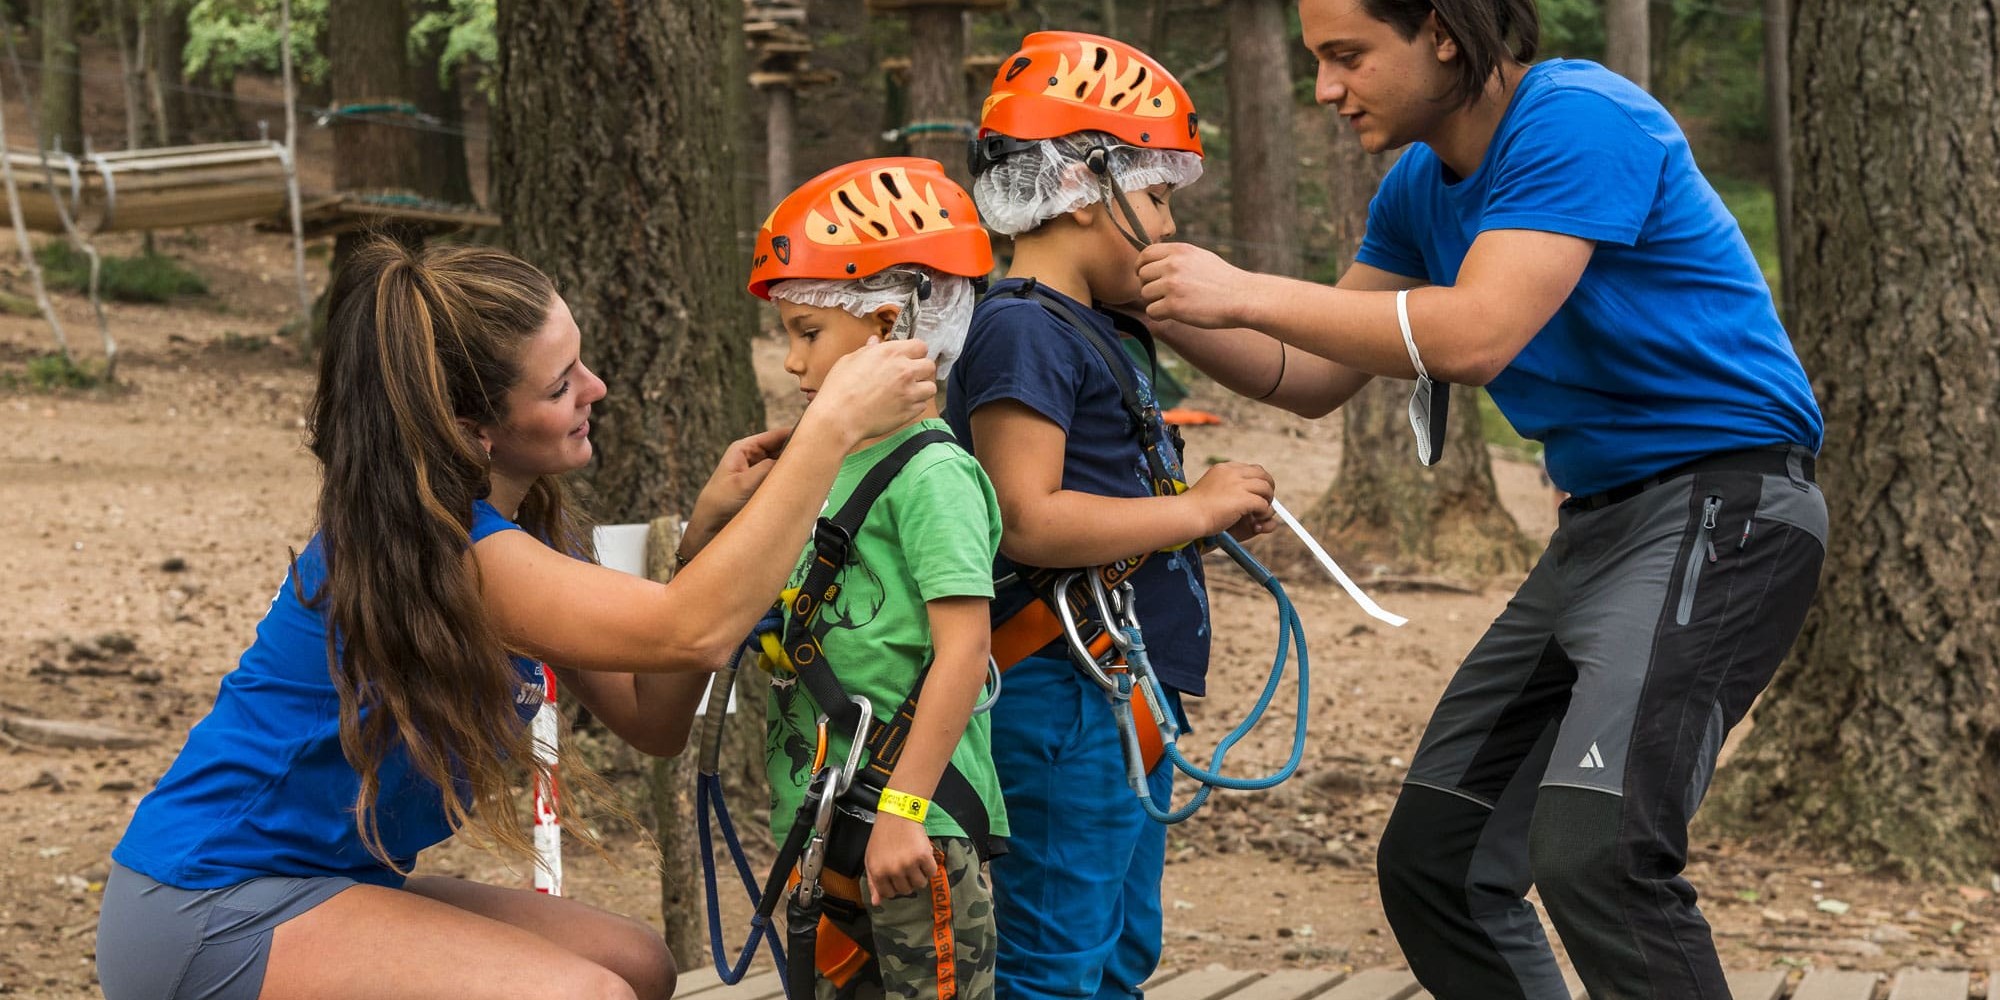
(782, 246)
(1118, 88)
(892, 208)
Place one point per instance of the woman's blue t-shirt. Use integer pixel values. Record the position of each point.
(1670, 347)
(262, 788)
(1018, 350)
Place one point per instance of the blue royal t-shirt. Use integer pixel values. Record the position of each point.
(1018, 350)
(262, 788)
(1670, 347)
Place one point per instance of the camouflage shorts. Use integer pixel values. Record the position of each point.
(902, 934)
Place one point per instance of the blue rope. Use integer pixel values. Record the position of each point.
(1291, 637)
(709, 798)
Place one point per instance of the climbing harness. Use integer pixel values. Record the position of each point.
(823, 856)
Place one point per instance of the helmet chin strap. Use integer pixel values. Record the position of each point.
(1098, 159)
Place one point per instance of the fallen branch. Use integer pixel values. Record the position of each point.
(71, 735)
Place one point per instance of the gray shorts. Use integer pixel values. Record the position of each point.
(157, 942)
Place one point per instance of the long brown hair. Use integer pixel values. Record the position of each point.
(1487, 31)
(417, 343)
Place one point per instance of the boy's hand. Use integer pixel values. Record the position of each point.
(876, 389)
(1233, 492)
(1181, 281)
(900, 858)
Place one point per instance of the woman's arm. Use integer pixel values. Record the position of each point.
(899, 859)
(586, 617)
(1046, 525)
(653, 712)
(1510, 285)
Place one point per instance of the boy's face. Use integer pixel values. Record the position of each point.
(1392, 91)
(822, 335)
(1119, 280)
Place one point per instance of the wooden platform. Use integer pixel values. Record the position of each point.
(1397, 984)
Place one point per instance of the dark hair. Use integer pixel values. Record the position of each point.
(1487, 32)
(416, 342)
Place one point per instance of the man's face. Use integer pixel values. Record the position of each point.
(1392, 91)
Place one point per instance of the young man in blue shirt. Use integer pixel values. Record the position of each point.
(1546, 234)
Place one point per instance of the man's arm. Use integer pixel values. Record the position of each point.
(1247, 362)
(1510, 285)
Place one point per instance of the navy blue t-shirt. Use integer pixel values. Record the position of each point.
(1670, 347)
(1018, 350)
(262, 788)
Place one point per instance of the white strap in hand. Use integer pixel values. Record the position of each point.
(1403, 320)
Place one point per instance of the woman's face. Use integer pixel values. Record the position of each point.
(546, 430)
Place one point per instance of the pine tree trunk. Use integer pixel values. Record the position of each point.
(1626, 51)
(1384, 508)
(617, 134)
(61, 85)
(446, 175)
(1778, 107)
(366, 43)
(1880, 738)
(938, 90)
(1263, 166)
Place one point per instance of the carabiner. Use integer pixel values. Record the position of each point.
(1078, 651)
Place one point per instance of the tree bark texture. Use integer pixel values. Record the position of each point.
(1778, 106)
(446, 176)
(616, 167)
(1880, 738)
(780, 139)
(939, 93)
(1384, 508)
(1263, 163)
(1626, 51)
(61, 98)
(367, 53)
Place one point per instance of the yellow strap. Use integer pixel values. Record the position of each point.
(903, 804)
(774, 659)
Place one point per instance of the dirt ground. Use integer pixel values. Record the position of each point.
(144, 528)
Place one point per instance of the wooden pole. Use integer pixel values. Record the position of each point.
(21, 232)
(779, 133)
(292, 171)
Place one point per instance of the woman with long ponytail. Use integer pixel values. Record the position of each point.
(382, 707)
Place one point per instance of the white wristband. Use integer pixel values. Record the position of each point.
(1403, 319)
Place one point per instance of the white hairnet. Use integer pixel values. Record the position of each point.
(941, 320)
(1036, 185)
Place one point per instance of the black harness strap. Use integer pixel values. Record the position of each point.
(833, 549)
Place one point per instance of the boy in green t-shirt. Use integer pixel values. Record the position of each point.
(889, 248)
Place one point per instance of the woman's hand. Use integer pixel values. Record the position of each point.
(744, 465)
(1181, 281)
(876, 389)
(900, 858)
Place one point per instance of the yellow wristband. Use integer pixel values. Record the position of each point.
(903, 804)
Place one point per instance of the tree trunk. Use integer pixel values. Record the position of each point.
(938, 92)
(780, 137)
(1778, 105)
(616, 145)
(446, 175)
(1626, 51)
(1384, 508)
(1880, 739)
(1263, 166)
(61, 85)
(366, 45)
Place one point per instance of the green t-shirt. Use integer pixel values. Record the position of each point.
(932, 534)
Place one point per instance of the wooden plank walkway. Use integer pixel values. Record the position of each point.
(1217, 983)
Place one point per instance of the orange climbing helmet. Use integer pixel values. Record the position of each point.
(864, 217)
(1062, 82)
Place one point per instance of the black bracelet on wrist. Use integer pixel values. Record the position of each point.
(1282, 354)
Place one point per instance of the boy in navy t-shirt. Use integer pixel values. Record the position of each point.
(1547, 235)
(1083, 141)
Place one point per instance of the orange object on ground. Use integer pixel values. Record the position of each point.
(1181, 416)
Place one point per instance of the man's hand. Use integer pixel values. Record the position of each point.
(1181, 281)
(900, 858)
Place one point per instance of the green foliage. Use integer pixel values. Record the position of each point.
(471, 37)
(143, 278)
(1572, 29)
(53, 372)
(228, 36)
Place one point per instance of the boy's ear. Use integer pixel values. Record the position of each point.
(885, 317)
(1085, 216)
